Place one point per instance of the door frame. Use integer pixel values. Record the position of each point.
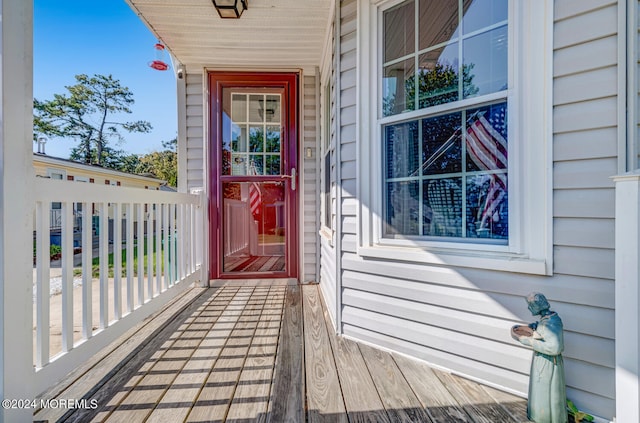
(219, 80)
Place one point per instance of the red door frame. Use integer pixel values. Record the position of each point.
(218, 81)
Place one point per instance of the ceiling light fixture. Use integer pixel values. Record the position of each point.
(230, 9)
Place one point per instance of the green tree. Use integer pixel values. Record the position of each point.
(162, 164)
(438, 85)
(88, 113)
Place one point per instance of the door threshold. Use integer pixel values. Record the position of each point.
(215, 283)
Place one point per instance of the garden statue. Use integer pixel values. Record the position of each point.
(547, 393)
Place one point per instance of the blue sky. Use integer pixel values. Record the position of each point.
(102, 37)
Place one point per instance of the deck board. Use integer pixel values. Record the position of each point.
(361, 398)
(286, 404)
(269, 352)
(324, 398)
(431, 392)
(251, 398)
(179, 398)
(515, 406)
(215, 398)
(401, 403)
(147, 393)
(477, 402)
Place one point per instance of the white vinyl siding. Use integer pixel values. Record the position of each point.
(195, 131)
(310, 202)
(459, 318)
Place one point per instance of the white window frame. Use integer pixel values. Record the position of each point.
(326, 150)
(529, 96)
(61, 172)
(327, 141)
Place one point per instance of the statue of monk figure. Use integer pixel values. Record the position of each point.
(547, 393)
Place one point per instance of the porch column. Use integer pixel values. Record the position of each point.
(627, 296)
(16, 206)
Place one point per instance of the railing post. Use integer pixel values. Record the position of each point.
(627, 295)
(201, 236)
(16, 207)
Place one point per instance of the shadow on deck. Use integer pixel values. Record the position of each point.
(265, 353)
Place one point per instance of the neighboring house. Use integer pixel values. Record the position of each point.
(68, 170)
(429, 163)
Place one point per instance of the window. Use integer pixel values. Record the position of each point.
(59, 175)
(446, 172)
(327, 218)
(457, 96)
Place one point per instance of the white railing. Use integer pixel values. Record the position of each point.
(240, 229)
(139, 248)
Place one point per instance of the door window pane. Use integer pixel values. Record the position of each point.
(273, 165)
(251, 146)
(239, 108)
(272, 108)
(256, 138)
(273, 139)
(254, 227)
(256, 108)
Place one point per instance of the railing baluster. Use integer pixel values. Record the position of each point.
(104, 265)
(192, 238)
(130, 217)
(150, 252)
(67, 276)
(117, 261)
(186, 243)
(43, 219)
(174, 243)
(158, 257)
(167, 240)
(140, 249)
(199, 235)
(179, 228)
(87, 270)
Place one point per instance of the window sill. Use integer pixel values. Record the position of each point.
(327, 234)
(505, 262)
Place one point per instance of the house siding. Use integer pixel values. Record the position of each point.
(311, 200)
(459, 318)
(195, 101)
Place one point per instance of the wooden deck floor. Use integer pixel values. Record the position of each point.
(260, 353)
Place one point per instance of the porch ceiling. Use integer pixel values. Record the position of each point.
(270, 33)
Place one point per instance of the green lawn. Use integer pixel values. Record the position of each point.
(95, 263)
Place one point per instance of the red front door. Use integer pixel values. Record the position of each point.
(254, 181)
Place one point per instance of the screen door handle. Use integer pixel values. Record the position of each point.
(293, 178)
